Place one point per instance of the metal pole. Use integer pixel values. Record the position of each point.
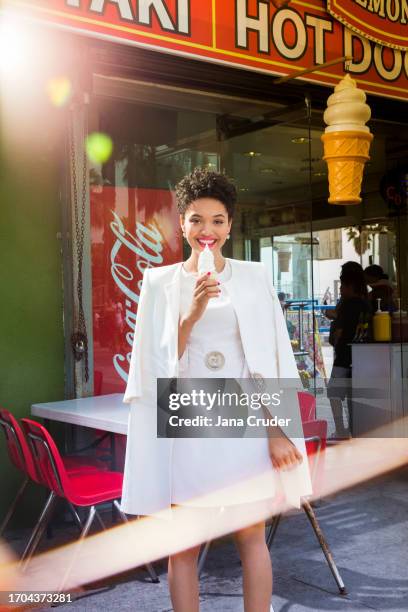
(289, 77)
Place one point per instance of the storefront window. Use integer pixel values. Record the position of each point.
(304, 242)
(134, 220)
(158, 137)
(274, 155)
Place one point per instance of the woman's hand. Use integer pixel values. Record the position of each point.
(283, 453)
(205, 289)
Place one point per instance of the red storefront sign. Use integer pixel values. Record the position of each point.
(383, 21)
(247, 33)
(131, 229)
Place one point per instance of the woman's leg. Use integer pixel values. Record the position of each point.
(183, 580)
(256, 568)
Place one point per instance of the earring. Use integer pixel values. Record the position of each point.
(228, 236)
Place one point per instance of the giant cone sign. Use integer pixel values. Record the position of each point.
(346, 141)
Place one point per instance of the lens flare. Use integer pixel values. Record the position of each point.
(99, 147)
(15, 48)
(59, 91)
(135, 543)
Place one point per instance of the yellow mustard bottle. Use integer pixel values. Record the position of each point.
(381, 325)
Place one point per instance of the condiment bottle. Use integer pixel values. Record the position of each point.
(381, 325)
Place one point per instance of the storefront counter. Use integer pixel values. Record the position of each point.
(379, 386)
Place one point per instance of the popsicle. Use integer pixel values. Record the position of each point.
(206, 263)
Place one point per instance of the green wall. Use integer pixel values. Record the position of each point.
(31, 303)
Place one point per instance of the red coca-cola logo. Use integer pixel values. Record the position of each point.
(131, 230)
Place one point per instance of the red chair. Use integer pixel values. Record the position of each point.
(83, 489)
(20, 455)
(307, 405)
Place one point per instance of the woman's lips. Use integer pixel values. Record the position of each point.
(204, 241)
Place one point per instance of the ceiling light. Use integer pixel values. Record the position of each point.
(268, 171)
(319, 173)
(252, 154)
(244, 189)
(301, 140)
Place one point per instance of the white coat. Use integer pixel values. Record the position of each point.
(268, 353)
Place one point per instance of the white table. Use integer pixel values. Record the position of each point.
(104, 412)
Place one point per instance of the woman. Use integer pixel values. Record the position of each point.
(192, 326)
(353, 304)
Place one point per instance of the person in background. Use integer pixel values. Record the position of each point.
(327, 297)
(352, 304)
(381, 288)
(282, 299)
(350, 267)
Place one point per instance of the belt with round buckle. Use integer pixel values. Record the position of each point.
(214, 360)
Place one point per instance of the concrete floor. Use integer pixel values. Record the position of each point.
(367, 529)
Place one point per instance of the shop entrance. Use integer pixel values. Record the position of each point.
(304, 242)
(159, 134)
(273, 152)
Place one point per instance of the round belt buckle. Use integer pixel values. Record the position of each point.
(214, 360)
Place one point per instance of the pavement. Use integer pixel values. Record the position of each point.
(366, 528)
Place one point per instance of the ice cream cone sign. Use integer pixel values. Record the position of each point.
(346, 141)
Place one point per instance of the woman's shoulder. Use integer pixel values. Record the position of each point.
(250, 266)
(252, 271)
(159, 274)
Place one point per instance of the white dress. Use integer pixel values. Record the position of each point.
(211, 467)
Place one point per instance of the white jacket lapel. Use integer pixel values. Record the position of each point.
(171, 322)
(255, 320)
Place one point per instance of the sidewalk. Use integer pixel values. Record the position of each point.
(367, 529)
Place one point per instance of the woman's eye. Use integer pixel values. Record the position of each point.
(219, 222)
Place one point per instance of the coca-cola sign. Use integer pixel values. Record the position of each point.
(123, 244)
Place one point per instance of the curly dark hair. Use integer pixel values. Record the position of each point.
(203, 183)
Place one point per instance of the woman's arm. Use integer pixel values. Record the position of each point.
(204, 290)
(186, 324)
(283, 453)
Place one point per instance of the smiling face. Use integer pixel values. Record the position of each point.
(206, 222)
